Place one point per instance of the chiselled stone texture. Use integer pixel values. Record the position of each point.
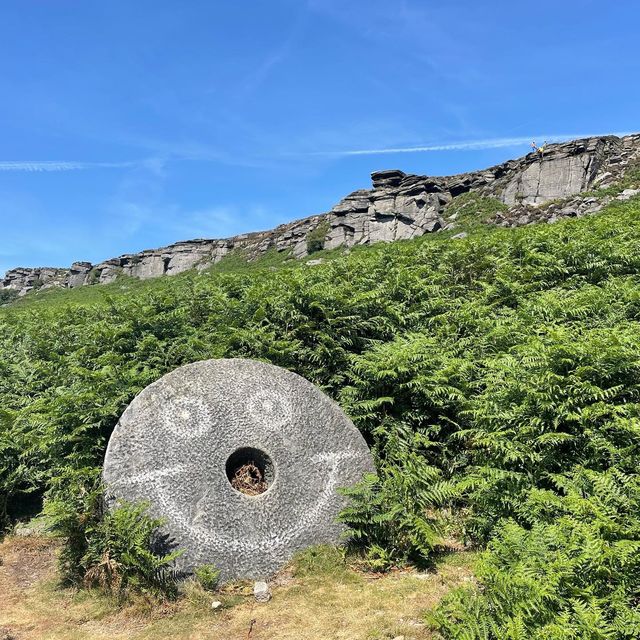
(175, 441)
(398, 207)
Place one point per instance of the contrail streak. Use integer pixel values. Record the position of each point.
(56, 165)
(469, 145)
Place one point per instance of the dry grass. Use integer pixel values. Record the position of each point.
(318, 599)
(249, 479)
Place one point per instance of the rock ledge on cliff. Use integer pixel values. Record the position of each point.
(398, 206)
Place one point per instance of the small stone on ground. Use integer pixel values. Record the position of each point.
(261, 591)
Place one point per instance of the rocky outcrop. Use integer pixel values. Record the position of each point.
(397, 207)
(25, 279)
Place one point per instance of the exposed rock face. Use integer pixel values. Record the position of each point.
(399, 206)
(79, 274)
(561, 172)
(190, 442)
(25, 279)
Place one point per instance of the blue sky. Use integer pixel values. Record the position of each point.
(133, 124)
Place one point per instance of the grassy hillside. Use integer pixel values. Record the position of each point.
(496, 377)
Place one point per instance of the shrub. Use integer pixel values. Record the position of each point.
(489, 376)
(316, 237)
(207, 576)
(392, 517)
(116, 550)
(21, 470)
(574, 574)
(7, 295)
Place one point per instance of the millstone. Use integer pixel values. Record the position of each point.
(243, 461)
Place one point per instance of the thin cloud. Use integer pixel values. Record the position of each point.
(469, 145)
(37, 166)
(253, 82)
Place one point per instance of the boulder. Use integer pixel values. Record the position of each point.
(387, 178)
(627, 194)
(78, 274)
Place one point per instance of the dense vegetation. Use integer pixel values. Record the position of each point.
(497, 379)
(7, 295)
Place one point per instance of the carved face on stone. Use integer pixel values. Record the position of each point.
(241, 458)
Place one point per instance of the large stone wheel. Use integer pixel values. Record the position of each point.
(183, 443)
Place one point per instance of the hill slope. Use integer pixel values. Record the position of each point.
(496, 377)
(399, 206)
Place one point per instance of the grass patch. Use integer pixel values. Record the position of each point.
(320, 561)
(325, 599)
(83, 296)
(471, 208)
(239, 260)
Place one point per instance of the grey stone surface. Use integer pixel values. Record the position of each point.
(398, 206)
(261, 591)
(550, 178)
(79, 274)
(627, 194)
(174, 443)
(26, 279)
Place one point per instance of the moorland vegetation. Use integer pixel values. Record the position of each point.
(496, 378)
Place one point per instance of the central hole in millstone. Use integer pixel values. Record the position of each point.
(250, 471)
